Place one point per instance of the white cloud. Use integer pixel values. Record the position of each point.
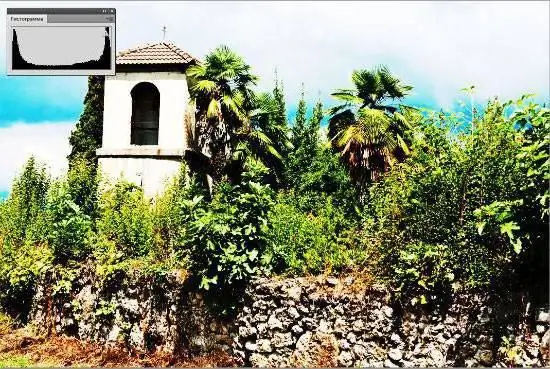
(47, 141)
(501, 47)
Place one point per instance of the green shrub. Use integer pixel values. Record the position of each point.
(19, 273)
(3, 225)
(327, 175)
(24, 254)
(169, 216)
(304, 242)
(83, 180)
(23, 211)
(125, 222)
(462, 205)
(69, 228)
(420, 269)
(226, 238)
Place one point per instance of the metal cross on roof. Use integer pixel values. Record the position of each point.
(163, 32)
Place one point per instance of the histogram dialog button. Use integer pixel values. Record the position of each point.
(61, 41)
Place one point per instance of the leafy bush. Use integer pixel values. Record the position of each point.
(460, 206)
(125, 222)
(19, 273)
(169, 215)
(24, 255)
(421, 269)
(327, 175)
(23, 211)
(308, 242)
(226, 238)
(82, 185)
(69, 228)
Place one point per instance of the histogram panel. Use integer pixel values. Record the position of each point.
(60, 43)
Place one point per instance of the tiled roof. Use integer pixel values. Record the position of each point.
(155, 53)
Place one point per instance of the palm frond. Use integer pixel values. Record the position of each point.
(204, 86)
(336, 109)
(403, 145)
(349, 98)
(401, 120)
(339, 121)
(392, 85)
(367, 84)
(231, 104)
(259, 139)
(213, 109)
(196, 71)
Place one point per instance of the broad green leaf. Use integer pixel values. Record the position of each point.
(508, 228)
(517, 246)
(480, 227)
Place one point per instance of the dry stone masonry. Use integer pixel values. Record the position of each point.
(132, 310)
(300, 322)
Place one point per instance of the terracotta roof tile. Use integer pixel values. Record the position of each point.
(155, 53)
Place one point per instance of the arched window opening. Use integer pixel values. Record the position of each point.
(145, 114)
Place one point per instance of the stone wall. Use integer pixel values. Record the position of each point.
(133, 310)
(328, 322)
(319, 322)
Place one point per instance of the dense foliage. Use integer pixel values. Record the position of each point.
(464, 210)
(429, 203)
(309, 237)
(226, 238)
(87, 135)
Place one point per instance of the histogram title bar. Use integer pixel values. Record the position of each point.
(61, 11)
(80, 18)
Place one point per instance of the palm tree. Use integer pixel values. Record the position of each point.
(366, 128)
(222, 89)
(233, 123)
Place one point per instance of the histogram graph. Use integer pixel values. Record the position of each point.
(54, 48)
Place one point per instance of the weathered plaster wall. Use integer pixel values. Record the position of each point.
(151, 174)
(174, 98)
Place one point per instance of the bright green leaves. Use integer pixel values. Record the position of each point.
(22, 214)
(310, 235)
(226, 237)
(422, 269)
(534, 156)
(206, 282)
(499, 214)
(507, 228)
(125, 222)
(516, 244)
(71, 229)
(481, 193)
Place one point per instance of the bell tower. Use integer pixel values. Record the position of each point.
(145, 107)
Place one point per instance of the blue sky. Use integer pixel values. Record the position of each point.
(438, 47)
(38, 99)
